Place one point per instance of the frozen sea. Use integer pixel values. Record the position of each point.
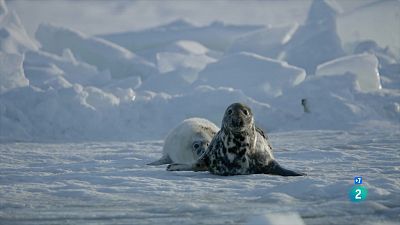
(110, 183)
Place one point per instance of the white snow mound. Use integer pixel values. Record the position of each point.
(169, 61)
(3, 8)
(216, 36)
(179, 64)
(11, 72)
(267, 41)
(38, 63)
(103, 54)
(317, 41)
(276, 219)
(13, 36)
(364, 66)
(257, 76)
(187, 46)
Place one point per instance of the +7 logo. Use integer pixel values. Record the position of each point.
(357, 180)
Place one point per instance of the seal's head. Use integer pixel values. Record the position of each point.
(238, 118)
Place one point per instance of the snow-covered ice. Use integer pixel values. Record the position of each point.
(84, 106)
(317, 40)
(267, 41)
(109, 183)
(13, 36)
(255, 75)
(41, 66)
(11, 72)
(95, 51)
(364, 66)
(222, 35)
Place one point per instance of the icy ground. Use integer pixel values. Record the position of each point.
(109, 183)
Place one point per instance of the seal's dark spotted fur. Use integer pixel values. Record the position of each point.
(238, 148)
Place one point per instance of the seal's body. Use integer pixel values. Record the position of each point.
(238, 148)
(187, 142)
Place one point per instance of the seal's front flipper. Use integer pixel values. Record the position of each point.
(179, 167)
(165, 159)
(199, 166)
(275, 169)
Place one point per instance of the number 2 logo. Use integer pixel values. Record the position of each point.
(358, 195)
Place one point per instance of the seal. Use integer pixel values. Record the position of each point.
(239, 148)
(187, 141)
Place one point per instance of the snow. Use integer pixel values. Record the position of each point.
(11, 72)
(38, 64)
(364, 66)
(267, 41)
(115, 15)
(3, 8)
(82, 115)
(382, 29)
(277, 219)
(13, 37)
(109, 183)
(222, 35)
(95, 51)
(179, 64)
(169, 61)
(257, 76)
(317, 40)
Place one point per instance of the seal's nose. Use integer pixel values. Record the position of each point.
(237, 122)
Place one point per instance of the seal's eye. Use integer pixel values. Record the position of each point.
(246, 112)
(196, 145)
(230, 112)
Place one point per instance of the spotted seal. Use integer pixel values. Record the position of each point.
(238, 148)
(187, 141)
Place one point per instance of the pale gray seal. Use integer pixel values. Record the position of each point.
(187, 142)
